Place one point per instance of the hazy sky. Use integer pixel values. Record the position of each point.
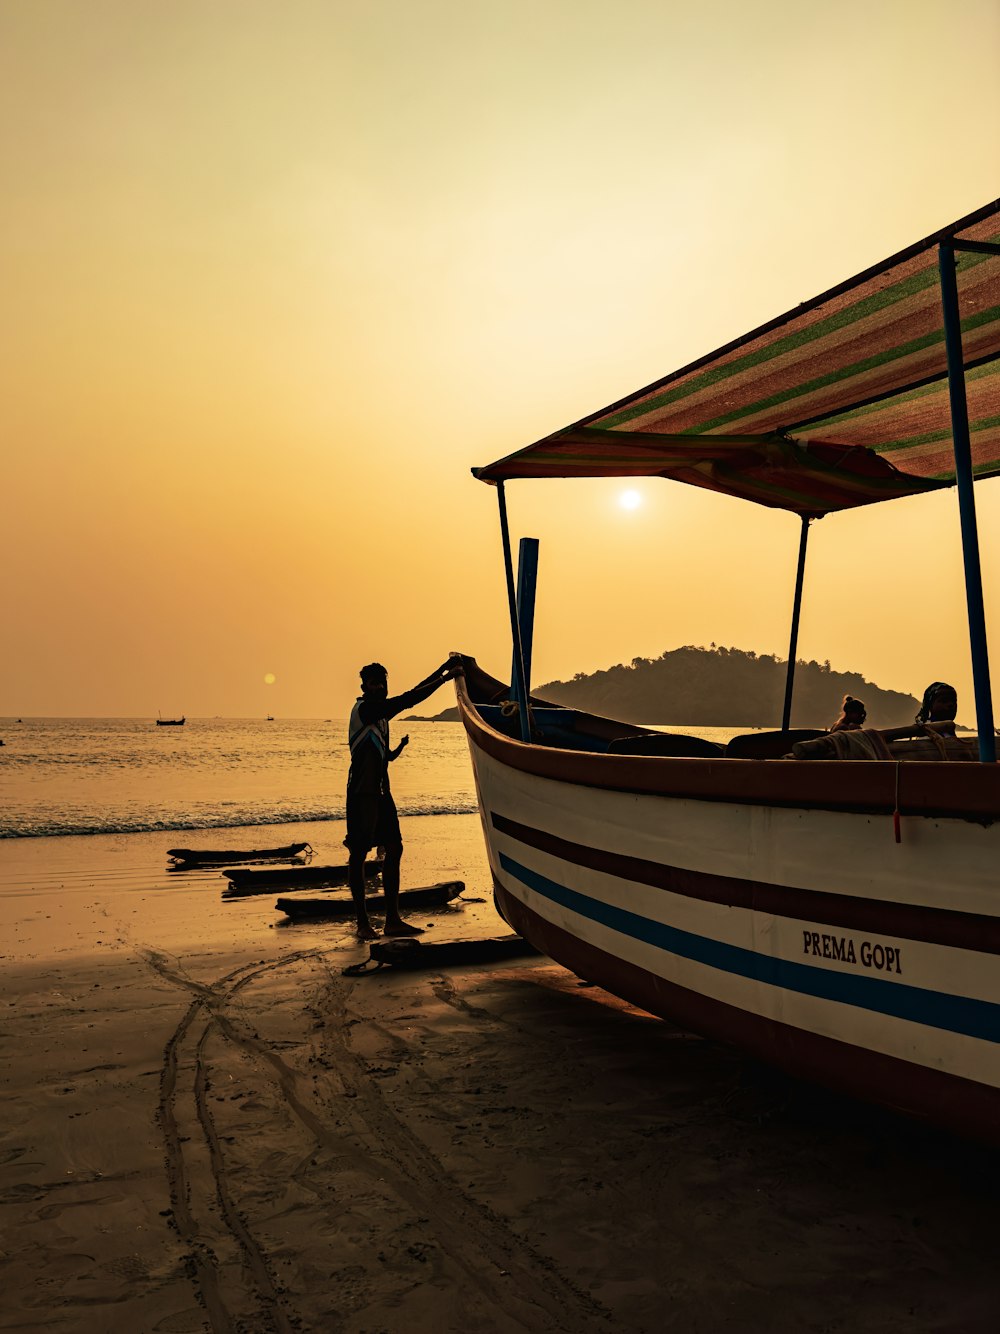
(276, 275)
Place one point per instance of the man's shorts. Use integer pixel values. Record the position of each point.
(372, 822)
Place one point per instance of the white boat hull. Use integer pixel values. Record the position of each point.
(806, 935)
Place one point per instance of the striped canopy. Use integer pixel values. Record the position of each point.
(842, 402)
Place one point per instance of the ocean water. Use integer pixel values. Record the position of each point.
(62, 776)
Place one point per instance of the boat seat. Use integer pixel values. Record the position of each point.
(769, 745)
(674, 744)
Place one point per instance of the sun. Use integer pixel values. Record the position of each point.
(269, 678)
(630, 500)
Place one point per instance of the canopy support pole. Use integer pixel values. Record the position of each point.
(967, 503)
(527, 582)
(786, 713)
(519, 690)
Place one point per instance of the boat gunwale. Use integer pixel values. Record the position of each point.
(968, 791)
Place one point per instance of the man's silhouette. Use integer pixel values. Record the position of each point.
(371, 811)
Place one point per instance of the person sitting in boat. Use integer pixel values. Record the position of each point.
(852, 716)
(939, 706)
(371, 811)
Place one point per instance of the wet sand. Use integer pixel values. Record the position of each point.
(205, 1126)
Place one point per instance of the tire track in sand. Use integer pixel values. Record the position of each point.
(534, 1292)
(202, 1263)
(512, 1277)
(203, 1258)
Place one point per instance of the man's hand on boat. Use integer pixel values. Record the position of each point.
(448, 670)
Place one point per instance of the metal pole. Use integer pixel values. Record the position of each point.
(515, 629)
(967, 503)
(786, 713)
(527, 581)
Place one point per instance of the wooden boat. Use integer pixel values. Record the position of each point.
(189, 858)
(170, 722)
(840, 919)
(427, 896)
(267, 879)
(414, 952)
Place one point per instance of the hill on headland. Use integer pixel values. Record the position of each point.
(722, 687)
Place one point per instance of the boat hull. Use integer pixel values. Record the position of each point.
(755, 914)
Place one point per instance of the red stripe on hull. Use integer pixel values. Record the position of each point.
(947, 1100)
(937, 926)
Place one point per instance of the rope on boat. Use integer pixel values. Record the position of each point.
(510, 708)
(932, 734)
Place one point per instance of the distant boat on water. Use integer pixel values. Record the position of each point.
(170, 722)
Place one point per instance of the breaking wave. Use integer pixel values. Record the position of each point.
(114, 777)
(69, 823)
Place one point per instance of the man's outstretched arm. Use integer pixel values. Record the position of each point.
(388, 708)
(448, 670)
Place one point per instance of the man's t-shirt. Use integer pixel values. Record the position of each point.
(368, 734)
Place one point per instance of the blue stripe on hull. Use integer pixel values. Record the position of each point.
(955, 1014)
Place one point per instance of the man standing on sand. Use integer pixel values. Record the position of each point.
(371, 811)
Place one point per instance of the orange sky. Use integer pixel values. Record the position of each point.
(276, 276)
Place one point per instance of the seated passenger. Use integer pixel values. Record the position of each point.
(852, 716)
(939, 706)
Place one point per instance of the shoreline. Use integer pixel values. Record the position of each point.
(203, 832)
(69, 895)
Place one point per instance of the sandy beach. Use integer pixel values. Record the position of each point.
(206, 1126)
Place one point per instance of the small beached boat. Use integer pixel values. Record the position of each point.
(190, 858)
(267, 879)
(413, 952)
(838, 917)
(427, 896)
